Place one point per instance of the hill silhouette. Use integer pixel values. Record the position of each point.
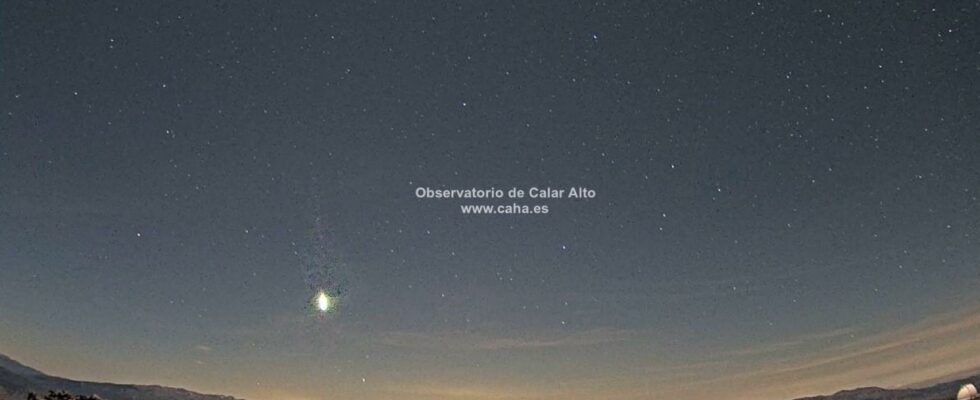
(940, 391)
(18, 381)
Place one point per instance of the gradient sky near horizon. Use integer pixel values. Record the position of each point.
(786, 196)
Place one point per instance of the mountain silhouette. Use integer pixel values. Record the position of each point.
(941, 391)
(18, 380)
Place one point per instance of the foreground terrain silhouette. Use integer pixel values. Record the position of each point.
(52, 395)
(18, 381)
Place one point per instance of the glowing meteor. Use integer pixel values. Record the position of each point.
(324, 271)
(322, 302)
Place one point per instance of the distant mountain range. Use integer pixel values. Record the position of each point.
(942, 391)
(17, 380)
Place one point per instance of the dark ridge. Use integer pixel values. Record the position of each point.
(17, 380)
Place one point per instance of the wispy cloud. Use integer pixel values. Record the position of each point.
(817, 363)
(843, 358)
(797, 343)
(472, 341)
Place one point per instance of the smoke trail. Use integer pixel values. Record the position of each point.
(323, 267)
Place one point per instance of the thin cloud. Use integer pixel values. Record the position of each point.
(795, 343)
(937, 346)
(469, 341)
(814, 364)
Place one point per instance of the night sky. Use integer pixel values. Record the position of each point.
(786, 196)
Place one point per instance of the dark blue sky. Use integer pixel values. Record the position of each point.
(777, 186)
